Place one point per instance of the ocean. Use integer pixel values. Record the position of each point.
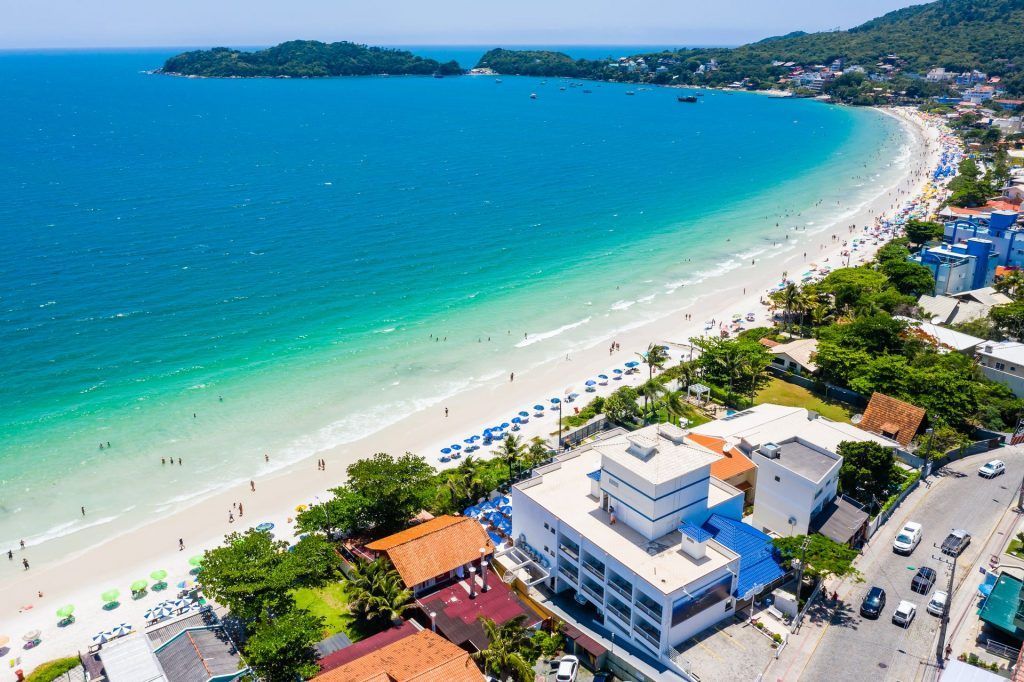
(221, 269)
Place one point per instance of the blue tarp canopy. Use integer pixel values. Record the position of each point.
(595, 475)
(759, 560)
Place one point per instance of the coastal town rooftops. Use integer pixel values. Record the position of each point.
(131, 659)
(801, 351)
(770, 423)
(1007, 351)
(892, 418)
(422, 657)
(657, 453)
(940, 337)
(952, 309)
(433, 547)
(563, 489)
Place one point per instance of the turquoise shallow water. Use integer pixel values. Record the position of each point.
(273, 256)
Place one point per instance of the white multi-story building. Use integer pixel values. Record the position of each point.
(1003, 361)
(795, 451)
(636, 526)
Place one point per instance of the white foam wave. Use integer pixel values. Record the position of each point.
(622, 305)
(537, 338)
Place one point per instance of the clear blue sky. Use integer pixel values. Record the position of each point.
(115, 23)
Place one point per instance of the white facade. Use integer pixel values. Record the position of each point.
(1003, 362)
(794, 481)
(606, 522)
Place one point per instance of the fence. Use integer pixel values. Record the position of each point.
(974, 448)
(592, 427)
(822, 388)
(810, 602)
(1001, 650)
(884, 515)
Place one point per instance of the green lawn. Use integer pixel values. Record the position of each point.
(1015, 549)
(328, 603)
(784, 393)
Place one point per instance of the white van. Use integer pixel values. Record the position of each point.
(908, 538)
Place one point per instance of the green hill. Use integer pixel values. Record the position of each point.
(304, 59)
(958, 35)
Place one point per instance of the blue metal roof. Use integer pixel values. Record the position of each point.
(694, 531)
(759, 560)
(595, 475)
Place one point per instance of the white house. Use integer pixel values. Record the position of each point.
(945, 340)
(1003, 361)
(795, 356)
(636, 526)
(796, 452)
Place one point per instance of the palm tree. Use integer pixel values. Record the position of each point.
(675, 406)
(376, 593)
(511, 450)
(651, 390)
(655, 356)
(506, 654)
(1011, 284)
(464, 484)
(538, 452)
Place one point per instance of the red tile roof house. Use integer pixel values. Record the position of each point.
(435, 552)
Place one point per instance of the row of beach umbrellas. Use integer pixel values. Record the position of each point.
(499, 431)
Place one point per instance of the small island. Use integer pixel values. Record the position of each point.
(305, 59)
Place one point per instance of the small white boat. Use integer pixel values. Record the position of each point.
(533, 95)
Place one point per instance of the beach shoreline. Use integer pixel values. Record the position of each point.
(79, 577)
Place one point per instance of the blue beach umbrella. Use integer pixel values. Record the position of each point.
(590, 382)
(632, 363)
(471, 511)
(495, 538)
(602, 376)
(538, 407)
(524, 413)
(456, 446)
(555, 401)
(446, 451)
(469, 441)
(265, 526)
(495, 517)
(616, 371)
(504, 425)
(573, 396)
(517, 420)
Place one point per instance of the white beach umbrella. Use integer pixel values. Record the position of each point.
(120, 630)
(101, 638)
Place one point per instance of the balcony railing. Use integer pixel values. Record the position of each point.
(650, 611)
(622, 590)
(573, 554)
(596, 592)
(621, 612)
(568, 572)
(596, 570)
(648, 638)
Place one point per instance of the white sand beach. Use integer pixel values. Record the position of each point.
(78, 578)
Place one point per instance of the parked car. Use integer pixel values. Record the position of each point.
(923, 581)
(992, 469)
(956, 542)
(904, 613)
(938, 603)
(567, 669)
(874, 602)
(908, 538)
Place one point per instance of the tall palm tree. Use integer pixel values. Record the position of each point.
(464, 483)
(376, 593)
(505, 655)
(511, 450)
(654, 356)
(651, 390)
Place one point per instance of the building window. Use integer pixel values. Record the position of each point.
(613, 482)
(1000, 366)
(545, 525)
(778, 480)
(552, 529)
(818, 494)
(1012, 368)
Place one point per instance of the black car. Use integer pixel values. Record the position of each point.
(873, 603)
(923, 581)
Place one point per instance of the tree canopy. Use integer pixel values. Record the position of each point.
(825, 558)
(869, 473)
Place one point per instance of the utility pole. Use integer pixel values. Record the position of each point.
(1020, 496)
(800, 580)
(940, 647)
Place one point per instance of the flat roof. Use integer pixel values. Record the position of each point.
(131, 659)
(673, 457)
(804, 460)
(564, 490)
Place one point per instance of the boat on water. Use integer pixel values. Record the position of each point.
(630, 92)
(497, 80)
(533, 95)
(587, 92)
(438, 74)
(687, 98)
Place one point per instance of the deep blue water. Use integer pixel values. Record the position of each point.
(274, 256)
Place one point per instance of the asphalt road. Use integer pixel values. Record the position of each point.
(856, 648)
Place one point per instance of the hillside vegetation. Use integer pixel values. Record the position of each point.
(305, 59)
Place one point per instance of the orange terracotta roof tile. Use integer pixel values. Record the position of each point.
(423, 657)
(893, 418)
(768, 343)
(732, 463)
(434, 547)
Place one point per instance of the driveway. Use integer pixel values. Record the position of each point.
(850, 647)
(730, 650)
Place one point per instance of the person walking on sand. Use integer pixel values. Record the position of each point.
(24, 562)
(181, 545)
(252, 486)
(266, 458)
(231, 517)
(241, 510)
(446, 412)
(179, 461)
(10, 555)
(83, 511)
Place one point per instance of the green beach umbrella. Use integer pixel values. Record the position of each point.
(139, 585)
(110, 595)
(158, 575)
(196, 561)
(65, 611)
